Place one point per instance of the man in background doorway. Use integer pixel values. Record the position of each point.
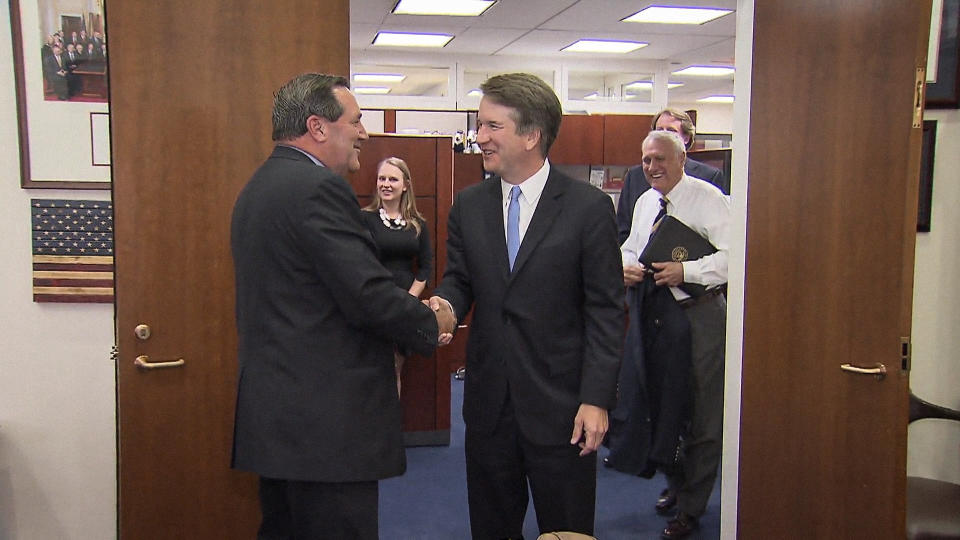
(635, 183)
(700, 320)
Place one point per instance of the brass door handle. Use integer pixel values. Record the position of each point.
(143, 362)
(879, 371)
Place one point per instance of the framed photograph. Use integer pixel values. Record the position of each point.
(925, 199)
(60, 70)
(943, 86)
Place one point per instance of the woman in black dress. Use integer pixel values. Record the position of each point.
(400, 232)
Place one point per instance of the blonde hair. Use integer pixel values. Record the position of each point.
(408, 201)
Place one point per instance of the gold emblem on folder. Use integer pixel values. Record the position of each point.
(679, 254)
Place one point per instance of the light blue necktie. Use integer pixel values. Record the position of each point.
(513, 225)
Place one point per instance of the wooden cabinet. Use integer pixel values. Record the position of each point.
(623, 136)
(612, 139)
(580, 141)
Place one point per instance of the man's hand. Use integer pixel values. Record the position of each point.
(633, 274)
(668, 273)
(446, 320)
(592, 421)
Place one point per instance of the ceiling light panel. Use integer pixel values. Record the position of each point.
(716, 99)
(676, 15)
(458, 8)
(706, 71)
(604, 46)
(402, 39)
(371, 90)
(379, 77)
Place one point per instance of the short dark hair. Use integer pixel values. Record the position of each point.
(305, 95)
(686, 123)
(535, 103)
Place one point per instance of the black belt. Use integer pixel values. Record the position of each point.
(687, 303)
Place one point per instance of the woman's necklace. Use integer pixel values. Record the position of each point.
(395, 224)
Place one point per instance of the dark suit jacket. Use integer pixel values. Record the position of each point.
(317, 316)
(635, 183)
(550, 332)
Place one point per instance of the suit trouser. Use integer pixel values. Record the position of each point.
(703, 444)
(500, 464)
(295, 510)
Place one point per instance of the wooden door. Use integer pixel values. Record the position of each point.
(426, 380)
(832, 201)
(189, 127)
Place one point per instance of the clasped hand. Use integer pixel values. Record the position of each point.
(664, 273)
(446, 319)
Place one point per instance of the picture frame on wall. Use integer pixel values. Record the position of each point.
(943, 89)
(60, 74)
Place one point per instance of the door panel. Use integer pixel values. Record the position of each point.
(830, 226)
(189, 126)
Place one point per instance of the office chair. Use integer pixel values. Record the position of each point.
(933, 506)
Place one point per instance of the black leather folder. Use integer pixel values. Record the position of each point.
(674, 241)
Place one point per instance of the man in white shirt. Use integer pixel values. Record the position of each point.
(705, 209)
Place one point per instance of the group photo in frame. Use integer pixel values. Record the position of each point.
(943, 73)
(60, 70)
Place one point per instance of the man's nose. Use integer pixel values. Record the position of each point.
(363, 132)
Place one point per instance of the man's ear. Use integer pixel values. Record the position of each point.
(532, 139)
(317, 127)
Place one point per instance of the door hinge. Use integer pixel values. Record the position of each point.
(918, 93)
(905, 354)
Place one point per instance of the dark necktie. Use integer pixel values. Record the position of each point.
(513, 225)
(660, 215)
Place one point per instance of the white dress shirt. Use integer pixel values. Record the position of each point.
(530, 191)
(699, 205)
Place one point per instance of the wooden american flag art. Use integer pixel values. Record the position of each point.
(72, 250)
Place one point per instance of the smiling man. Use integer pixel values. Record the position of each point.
(317, 414)
(697, 329)
(534, 253)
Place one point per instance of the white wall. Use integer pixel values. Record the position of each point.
(57, 404)
(933, 448)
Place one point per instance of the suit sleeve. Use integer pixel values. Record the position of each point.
(344, 256)
(602, 276)
(455, 286)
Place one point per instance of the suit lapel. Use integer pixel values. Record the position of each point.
(543, 218)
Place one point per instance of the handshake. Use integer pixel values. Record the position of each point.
(446, 320)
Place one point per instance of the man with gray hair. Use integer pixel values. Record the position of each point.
(700, 322)
(317, 413)
(635, 183)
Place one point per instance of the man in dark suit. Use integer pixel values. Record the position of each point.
(534, 253)
(56, 73)
(635, 183)
(317, 414)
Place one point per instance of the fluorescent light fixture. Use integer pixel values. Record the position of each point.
(706, 71)
(716, 99)
(676, 15)
(474, 93)
(371, 90)
(604, 46)
(402, 39)
(460, 8)
(648, 85)
(379, 77)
